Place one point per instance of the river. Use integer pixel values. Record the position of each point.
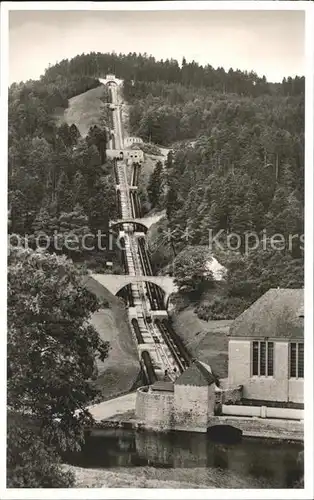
(193, 457)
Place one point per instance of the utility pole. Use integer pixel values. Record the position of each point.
(277, 167)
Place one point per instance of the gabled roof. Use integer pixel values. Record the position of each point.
(196, 375)
(162, 386)
(277, 314)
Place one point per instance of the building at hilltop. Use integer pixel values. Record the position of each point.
(111, 80)
(266, 347)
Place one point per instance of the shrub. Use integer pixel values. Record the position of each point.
(222, 308)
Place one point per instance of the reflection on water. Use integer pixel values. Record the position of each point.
(274, 463)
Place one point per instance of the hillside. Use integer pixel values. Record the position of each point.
(86, 110)
(120, 370)
(206, 340)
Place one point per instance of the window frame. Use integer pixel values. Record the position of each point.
(266, 359)
(297, 351)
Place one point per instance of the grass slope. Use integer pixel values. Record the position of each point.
(150, 477)
(85, 110)
(207, 340)
(120, 370)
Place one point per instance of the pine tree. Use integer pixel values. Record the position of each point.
(74, 226)
(64, 133)
(64, 194)
(18, 212)
(98, 137)
(75, 134)
(171, 202)
(169, 161)
(80, 191)
(154, 188)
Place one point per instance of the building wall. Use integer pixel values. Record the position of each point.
(128, 154)
(188, 408)
(128, 141)
(191, 407)
(296, 390)
(276, 388)
(155, 409)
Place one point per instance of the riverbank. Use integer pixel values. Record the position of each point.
(150, 477)
(251, 427)
(123, 478)
(119, 413)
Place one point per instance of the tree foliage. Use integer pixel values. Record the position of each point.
(190, 270)
(52, 351)
(237, 166)
(30, 462)
(154, 188)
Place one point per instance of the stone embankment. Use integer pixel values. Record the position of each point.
(119, 413)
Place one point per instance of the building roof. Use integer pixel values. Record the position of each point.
(277, 314)
(196, 375)
(163, 386)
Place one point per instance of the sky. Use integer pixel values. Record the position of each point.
(269, 42)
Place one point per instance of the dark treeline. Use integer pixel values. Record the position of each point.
(165, 113)
(144, 68)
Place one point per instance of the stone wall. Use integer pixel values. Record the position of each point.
(276, 388)
(227, 394)
(261, 427)
(187, 408)
(154, 408)
(192, 406)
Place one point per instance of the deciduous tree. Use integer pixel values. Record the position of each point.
(52, 351)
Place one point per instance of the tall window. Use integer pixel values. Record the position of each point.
(297, 359)
(263, 358)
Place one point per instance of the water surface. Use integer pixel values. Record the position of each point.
(249, 463)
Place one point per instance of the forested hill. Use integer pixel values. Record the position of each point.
(59, 182)
(237, 166)
(237, 161)
(144, 68)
